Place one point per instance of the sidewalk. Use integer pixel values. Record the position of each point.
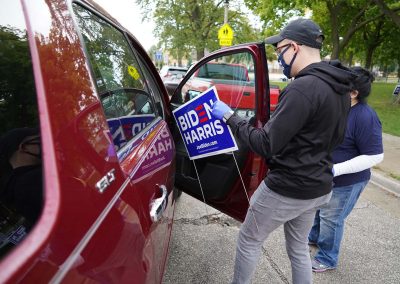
(383, 175)
(203, 246)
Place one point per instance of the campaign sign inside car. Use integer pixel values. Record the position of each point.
(202, 134)
(125, 127)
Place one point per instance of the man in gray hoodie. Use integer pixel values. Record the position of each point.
(297, 142)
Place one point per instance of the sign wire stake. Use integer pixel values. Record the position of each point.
(245, 191)
(201, 188)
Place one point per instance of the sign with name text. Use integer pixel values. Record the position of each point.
(125, 128)
(203, 134)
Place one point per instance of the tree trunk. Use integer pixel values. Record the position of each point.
(385, 72)
(372, 41)
(199, 53)
(368, 57)
(333, 12)
(180, 56)
(350, 59)
(335, 51)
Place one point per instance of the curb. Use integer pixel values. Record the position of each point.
(389, 184)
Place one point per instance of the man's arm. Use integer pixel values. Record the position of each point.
(289, 117)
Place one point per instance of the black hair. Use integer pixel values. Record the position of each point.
(362, 83)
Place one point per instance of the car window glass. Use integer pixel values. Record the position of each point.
(171, 72)
(127, 101)
(214, 70)
(152, 85)
(232, 76)
(21, 191)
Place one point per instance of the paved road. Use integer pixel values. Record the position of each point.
(203, 241)
(203, 245)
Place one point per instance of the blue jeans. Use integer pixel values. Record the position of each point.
(327, 231)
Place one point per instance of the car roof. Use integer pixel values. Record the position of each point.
(175, 68)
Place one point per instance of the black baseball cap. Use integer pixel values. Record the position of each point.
(303, 31)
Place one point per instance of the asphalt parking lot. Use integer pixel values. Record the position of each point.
(203, 245)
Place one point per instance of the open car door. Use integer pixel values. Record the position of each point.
(240, 77)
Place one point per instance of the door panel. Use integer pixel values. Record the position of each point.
(239, 76)
(75, 148)
(131, 101)
(152, 181)
(94, 227)
(130, 244)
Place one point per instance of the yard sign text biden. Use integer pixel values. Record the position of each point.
(202, 134)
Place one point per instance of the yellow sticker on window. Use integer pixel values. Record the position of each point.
(133, 72)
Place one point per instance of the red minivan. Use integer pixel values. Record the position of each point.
(89, 106)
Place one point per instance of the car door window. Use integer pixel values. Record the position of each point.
(127, 100)
(231, 73)
(154, 88)
(232, 76)
(21, 172)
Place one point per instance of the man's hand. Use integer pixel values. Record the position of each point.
(219, 109)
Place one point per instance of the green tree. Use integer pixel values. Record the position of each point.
(339, 19)
(186, 25)
(152, 53)
(374, 35)
(387, 55)
(17, 90)
(391, 13)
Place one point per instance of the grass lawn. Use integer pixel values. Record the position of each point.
(381, 100)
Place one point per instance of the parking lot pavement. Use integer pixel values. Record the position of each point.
(203, 245)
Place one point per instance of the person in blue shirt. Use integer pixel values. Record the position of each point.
(360, 150)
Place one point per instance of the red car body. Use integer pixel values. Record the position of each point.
(274, 92)
(243, 89)
(108, 178)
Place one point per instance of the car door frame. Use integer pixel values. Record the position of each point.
(26, 261)
(235, 203)
(157, 233)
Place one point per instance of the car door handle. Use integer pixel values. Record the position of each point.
(158, 205)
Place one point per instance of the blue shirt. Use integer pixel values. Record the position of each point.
(363, 137)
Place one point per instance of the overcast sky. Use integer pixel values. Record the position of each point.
(129, 15)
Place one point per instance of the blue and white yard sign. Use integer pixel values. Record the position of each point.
(124, 128)
(396, 90)
(202, 134)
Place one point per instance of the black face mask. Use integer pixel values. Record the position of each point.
(287, 68)
(34, 141)
(38, 156)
